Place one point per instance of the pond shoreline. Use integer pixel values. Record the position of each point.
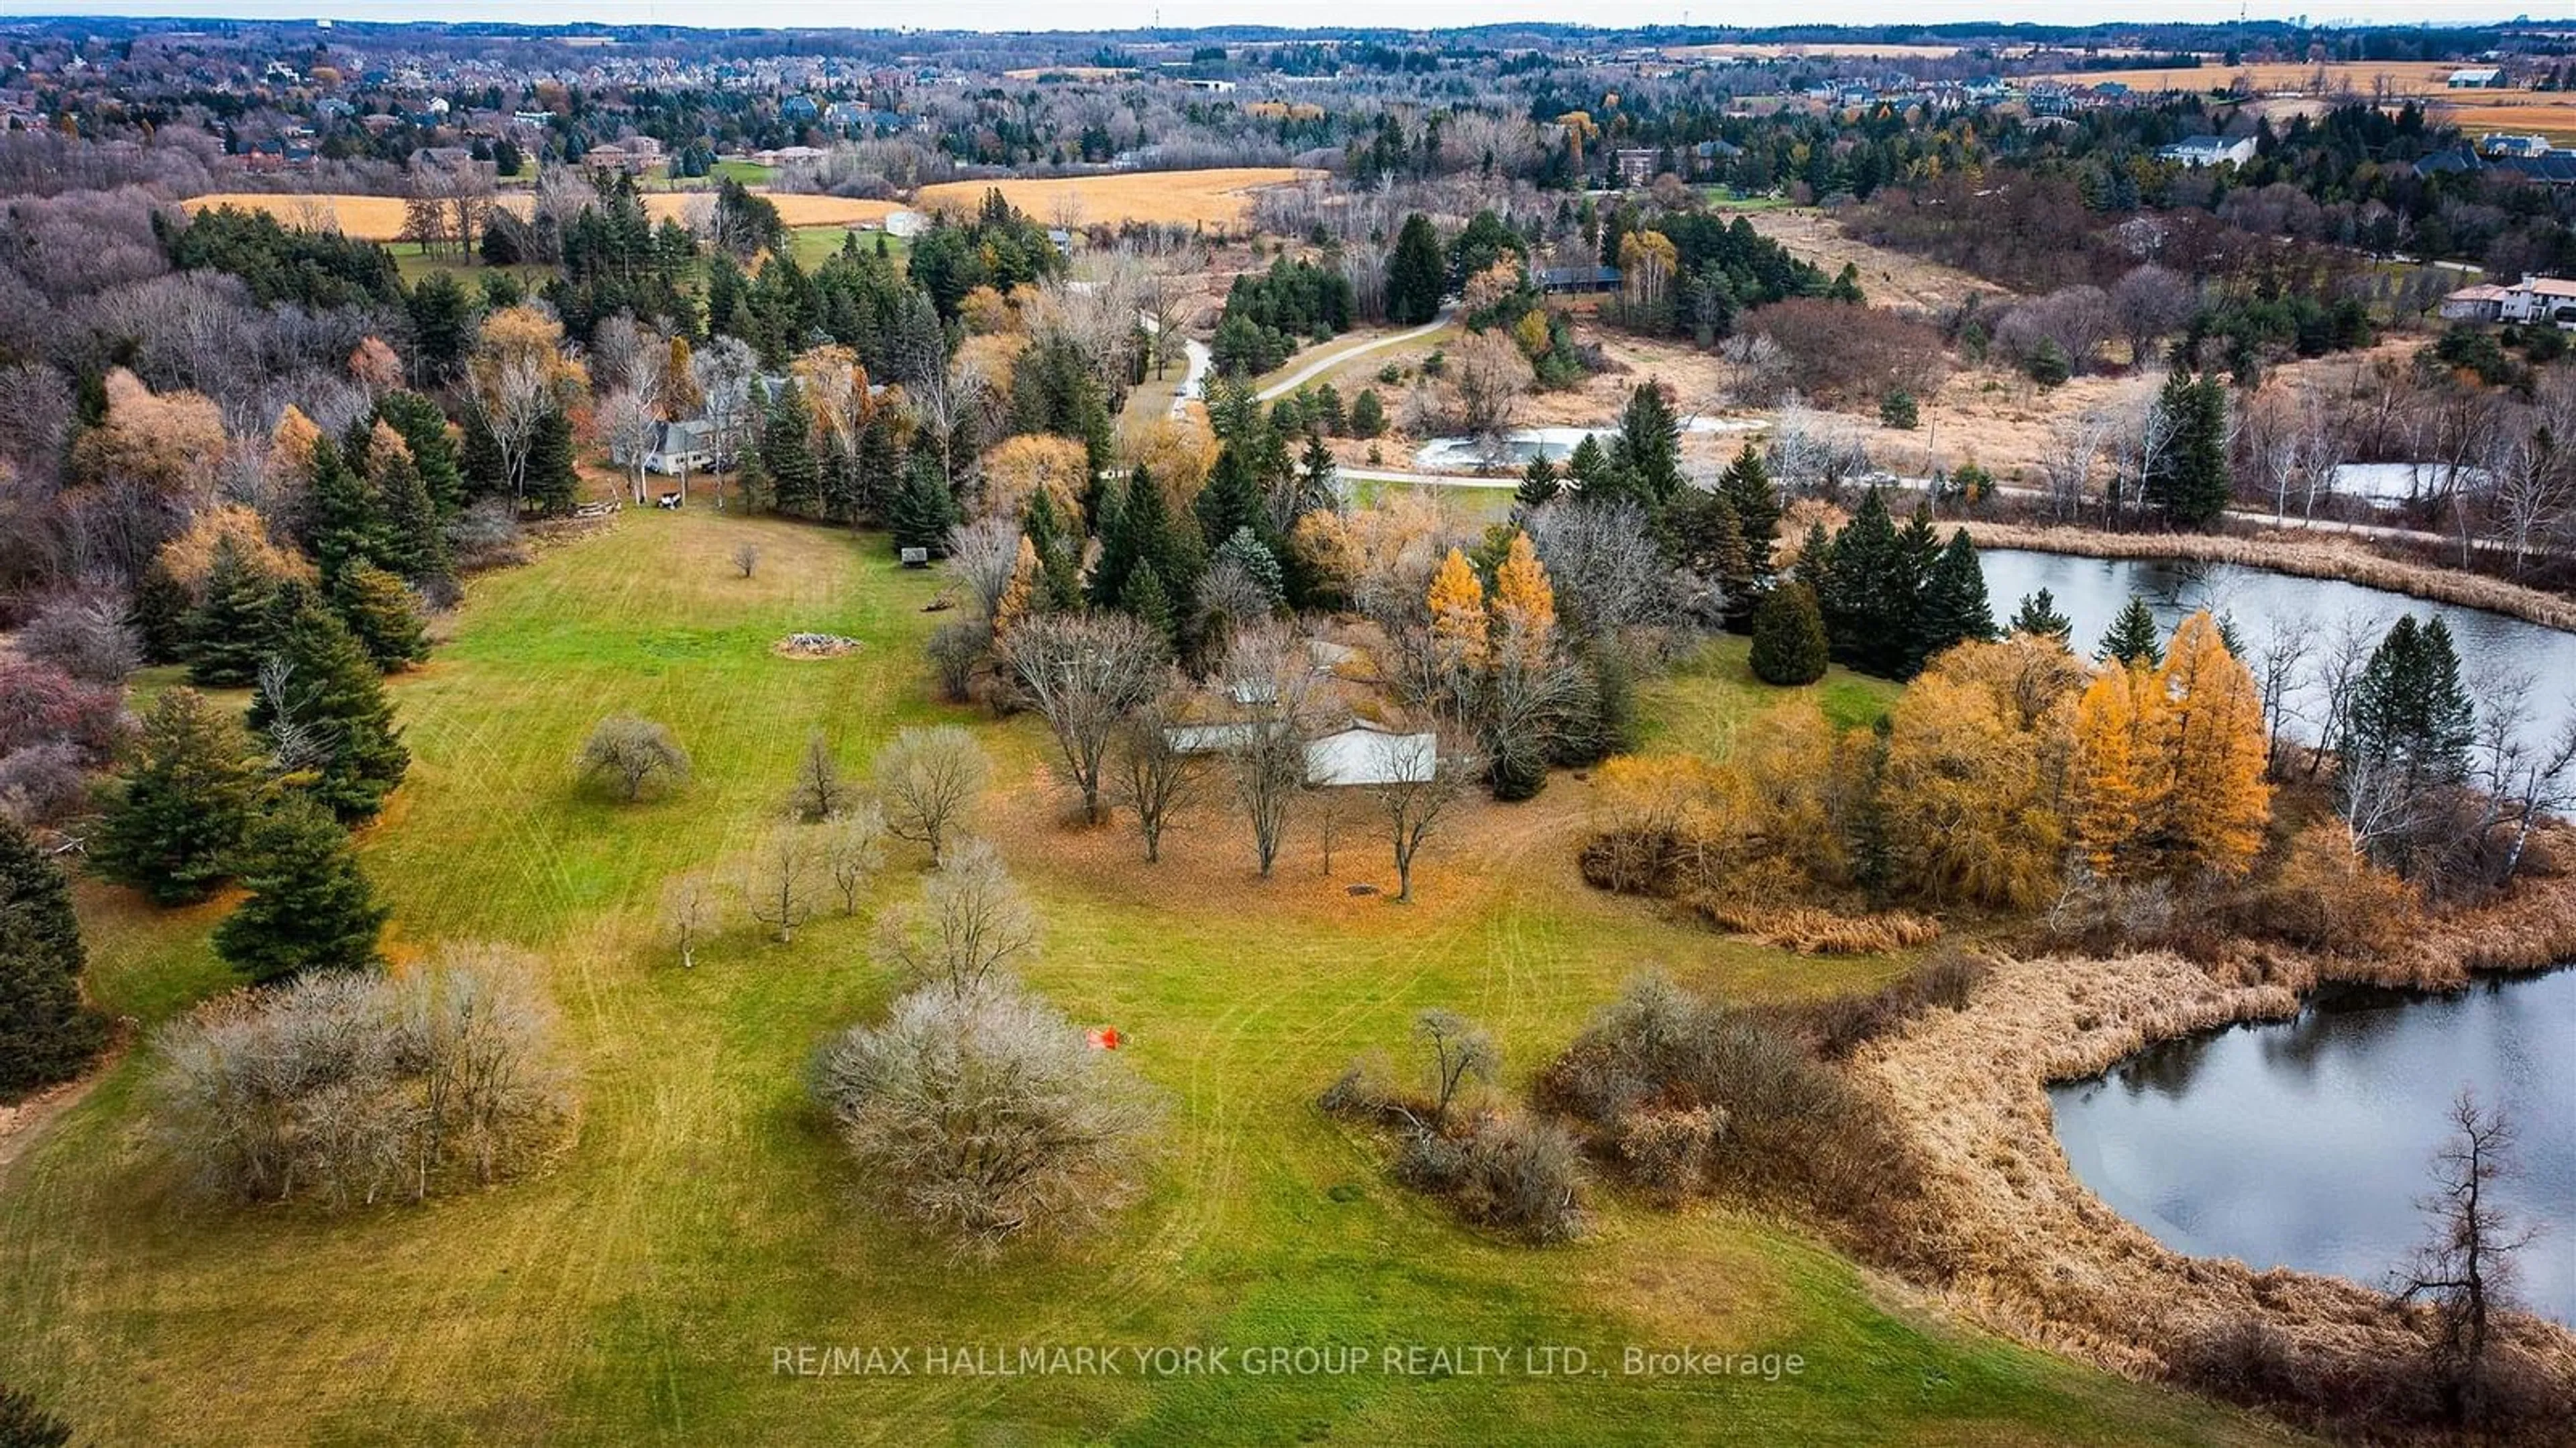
(2303, 555)
(2036, 1255)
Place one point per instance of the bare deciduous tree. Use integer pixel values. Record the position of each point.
(981, 555)
(1459, 1050)
(853, 851)
(971, 926)
(1268, 670)
(1083, 672)
(688, 913)
(2466, 1269)
(746, 558)
(627, 419)
(819, 793)
(1416, 785)
(634, 755)
(1149, 773)
(927, 780)
(353, 1088)
(987, 1116)
(781, 878)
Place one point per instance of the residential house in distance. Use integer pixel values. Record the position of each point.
(2532, 299)
(1633, 165)
(2521, 146)
(2210, 151)
(2476, 77)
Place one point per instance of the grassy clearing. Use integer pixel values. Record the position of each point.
(380, 218)
(1694, 708)
(635, 1293)
(814, 245)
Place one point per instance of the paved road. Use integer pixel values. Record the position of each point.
(1330, 360)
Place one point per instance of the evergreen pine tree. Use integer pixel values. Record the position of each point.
(1142, 531)
(1587, 468)
(1368, 414)
(1059, 586)
(1749, 492)
(923, 509)
(335, 699)
(228, 630)
(46, 1034)
(347, 527)
(1144, 597)
(787, 455)
(176, 814)
(1232, 498)
(2187, 480)
(1539, 484)
(2039, 618)
(481, 469)
(1953, 607)
(310, 907)
(552, 484)
(1789, 645)
(160, 615)
(1869, 595)
(433, 452)
(414, 541)
(1649, 445)
(1815, 565)
(1316, 472)
(2410, 709)
(1416, 275)
(381, 611)
(2133, 638)
(1247, 550)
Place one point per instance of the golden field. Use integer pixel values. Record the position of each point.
(380, 218)
(1220, 197)
(2476, 112)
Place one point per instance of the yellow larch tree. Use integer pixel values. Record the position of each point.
(1524, 604)
(2217, 802)
(1460, 626)
(2105, 791)
(1966, 809)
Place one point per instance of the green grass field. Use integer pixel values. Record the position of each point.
(637, 1291)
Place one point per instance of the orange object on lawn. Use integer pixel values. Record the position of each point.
(1105, 1039)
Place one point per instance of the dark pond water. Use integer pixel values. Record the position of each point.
(2305, 1143)
(2090, 591)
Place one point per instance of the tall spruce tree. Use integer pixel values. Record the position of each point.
(1416, 274)
(1649, 445)
(553, 485)
(1232, 498)
(923, 509)
(433, 452)
(2133, 638)
(787, 454)
(310, 906)
(1059, 584)
(1539, 484)
(1755, 499)
(227, 632)
(346, 526)
(46, 1033)
(1141, 531)
(415, 539)
(176, 814)
(1954, 609)
(381, 611)
(1869, 594)
(333, 699)
(2188, 480)
(2410, 709)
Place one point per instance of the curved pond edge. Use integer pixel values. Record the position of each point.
(2032, 1253)
(2299, 553)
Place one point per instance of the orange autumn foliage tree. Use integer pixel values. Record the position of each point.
(1965, 808)
(2168, 773)
(190, 557)
(2217, 802)
(1460, 626)
(1524, 614)
(291, 444)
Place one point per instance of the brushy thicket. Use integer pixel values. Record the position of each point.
(1810, 930)
(1691, 1095)
(1511, 1172)
(351, 1088)
(986, 1116)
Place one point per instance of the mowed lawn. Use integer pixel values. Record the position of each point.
(701, 1220)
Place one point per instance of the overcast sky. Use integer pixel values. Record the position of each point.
(1114, 14)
